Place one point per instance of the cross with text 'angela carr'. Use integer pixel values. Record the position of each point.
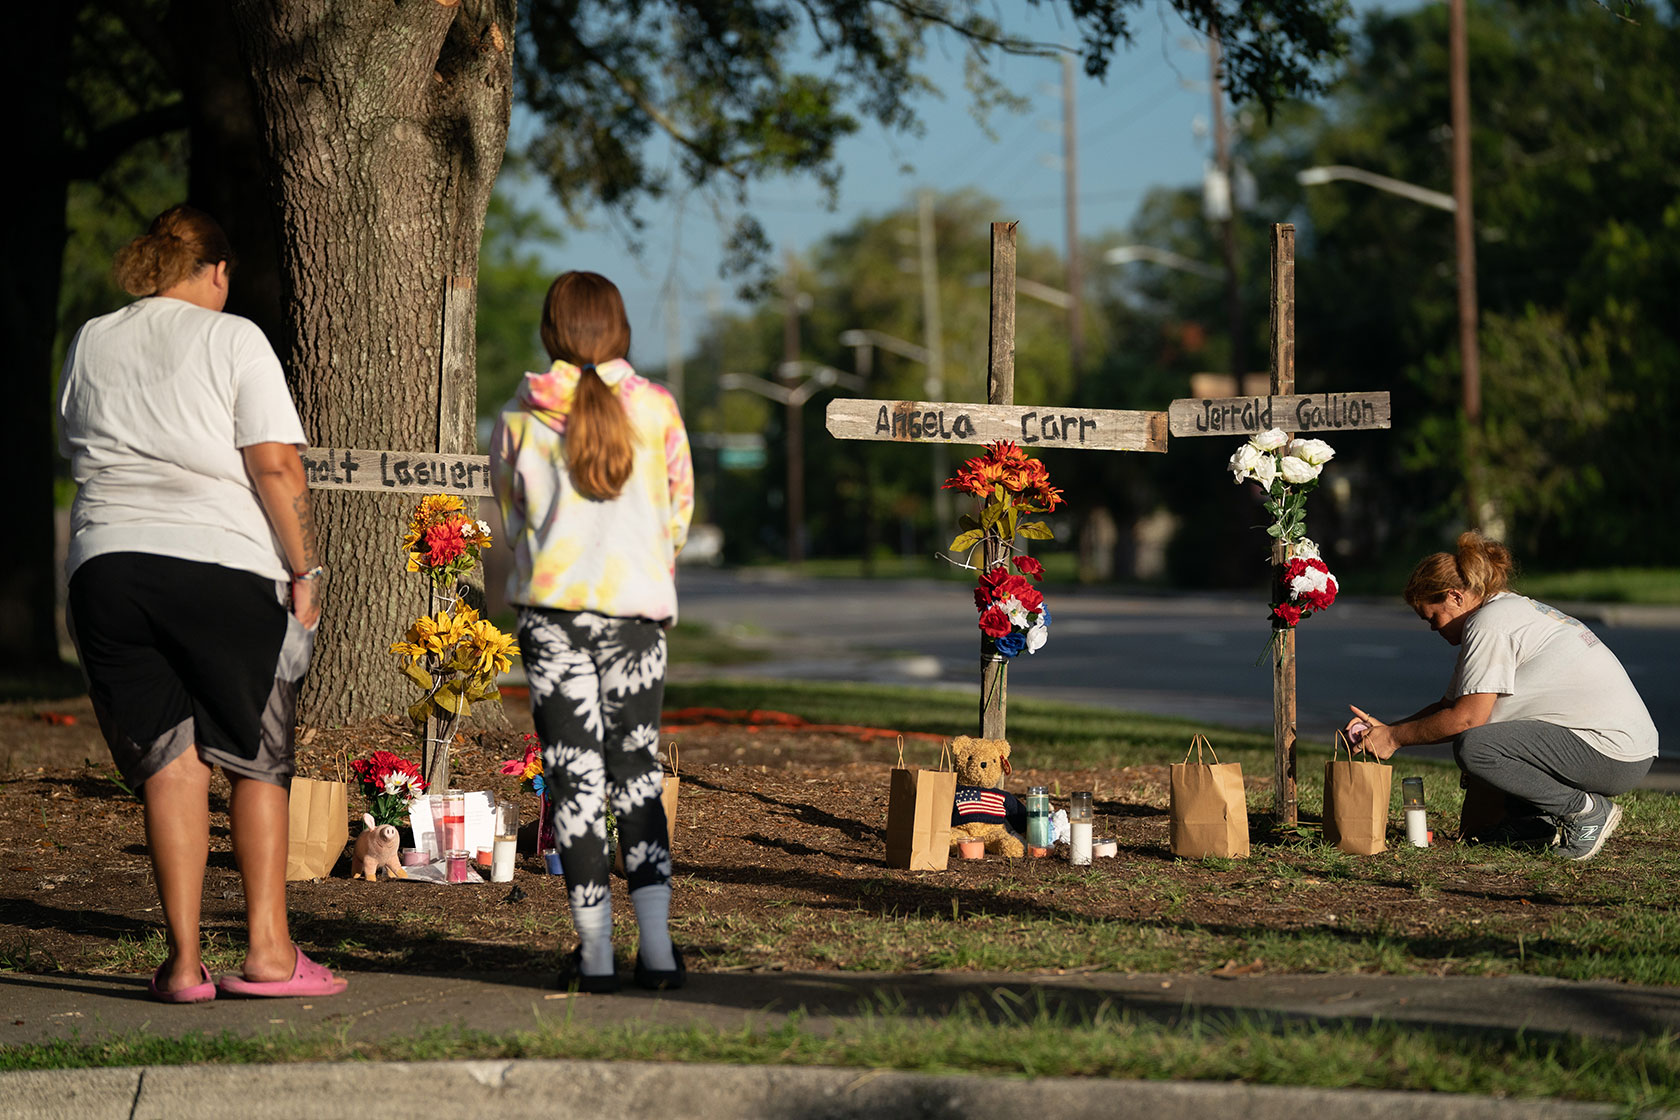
(1033, 427)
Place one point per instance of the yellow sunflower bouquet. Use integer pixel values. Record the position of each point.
(454, 656)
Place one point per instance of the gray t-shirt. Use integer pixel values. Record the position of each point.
(156, 402)
(1544, 665)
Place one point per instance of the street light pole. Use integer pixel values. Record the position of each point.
(1222, 156)
(933, 331)
(1464, 234)
(793, 417)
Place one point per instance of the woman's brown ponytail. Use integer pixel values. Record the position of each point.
(584, 323)
(179, 242)
(1482, 568)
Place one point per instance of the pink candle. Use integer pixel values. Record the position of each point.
(457, 867)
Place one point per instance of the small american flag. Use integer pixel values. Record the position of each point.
(973, 802)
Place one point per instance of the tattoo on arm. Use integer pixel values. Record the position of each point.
(306, 528)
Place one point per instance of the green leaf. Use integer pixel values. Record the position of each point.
(420, 709)
(418, 675)
(450, 700)
(967, 521)
(989, 516)
(1036, 531)
(966, 541)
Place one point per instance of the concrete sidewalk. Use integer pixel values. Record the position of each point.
(378, 1005)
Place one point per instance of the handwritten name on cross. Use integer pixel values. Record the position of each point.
(397, 472)
(1032, 426)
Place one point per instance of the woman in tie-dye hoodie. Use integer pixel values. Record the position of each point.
(591, 469)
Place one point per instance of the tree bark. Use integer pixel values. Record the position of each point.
(29, 318)
(385, 126)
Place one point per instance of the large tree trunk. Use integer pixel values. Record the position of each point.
(385, 125)
(228, 157)
(29, 314)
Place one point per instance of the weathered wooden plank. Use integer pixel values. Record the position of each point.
(1285, 796)
(1313, 412)
(1032, 426)
(397, 472)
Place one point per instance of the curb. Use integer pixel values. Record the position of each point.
(514, 1090)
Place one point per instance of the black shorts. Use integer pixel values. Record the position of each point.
(180, 653)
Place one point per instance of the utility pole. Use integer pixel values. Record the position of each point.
(1464, 234)
(1222, 160)
(933, 332)
(788, 373)
(673, 346)
(1070, 171)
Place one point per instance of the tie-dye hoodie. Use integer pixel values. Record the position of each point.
(574, 553)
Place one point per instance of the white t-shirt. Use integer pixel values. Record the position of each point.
(156, 402)
(1544, 665)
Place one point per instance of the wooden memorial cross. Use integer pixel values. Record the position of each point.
(1000, 418)
(1231, 416)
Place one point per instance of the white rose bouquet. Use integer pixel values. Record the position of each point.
(1288, 470)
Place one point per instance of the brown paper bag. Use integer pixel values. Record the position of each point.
(668, 795)
(919, 815)
(318, 827)
(1209, 809)
(1356, 796)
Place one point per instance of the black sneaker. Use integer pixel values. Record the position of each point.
(1519, 832)
(662, 980)
(1582, 835)
(573, 978)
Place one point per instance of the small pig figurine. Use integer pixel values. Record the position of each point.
(376, 848)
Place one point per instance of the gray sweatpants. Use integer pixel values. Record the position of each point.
(1548, 766)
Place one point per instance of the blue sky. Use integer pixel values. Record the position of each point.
(1146, 125)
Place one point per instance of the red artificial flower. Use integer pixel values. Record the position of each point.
(994, 623)
(1288, 612)
(1049, 497)
(991, 586)
(1027, 566)
(1030, 598)
(1003, 451)
(444, 542)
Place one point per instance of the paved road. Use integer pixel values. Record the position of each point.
(1188, 656)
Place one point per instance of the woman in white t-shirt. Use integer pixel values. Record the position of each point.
(1537, 707)
(194, 585)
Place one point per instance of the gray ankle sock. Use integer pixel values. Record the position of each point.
(653, 916)
(594, 930)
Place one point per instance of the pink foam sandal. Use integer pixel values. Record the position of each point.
(308, 979)
(198, 993)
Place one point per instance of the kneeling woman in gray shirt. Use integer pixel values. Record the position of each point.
(1537, 707)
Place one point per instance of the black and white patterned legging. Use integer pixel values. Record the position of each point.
(596, 687)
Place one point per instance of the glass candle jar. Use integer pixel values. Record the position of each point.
(456, 863)
(506, 841)
(1038, 817)
(1080, 819)
(454, 820)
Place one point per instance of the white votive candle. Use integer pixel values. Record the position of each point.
(1417, 828)
(1079, 843)
(501, 859)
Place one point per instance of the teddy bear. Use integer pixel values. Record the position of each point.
(376, 848)
(982, 811)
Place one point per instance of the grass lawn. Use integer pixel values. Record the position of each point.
(1638, 1076)
(1296, 906)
